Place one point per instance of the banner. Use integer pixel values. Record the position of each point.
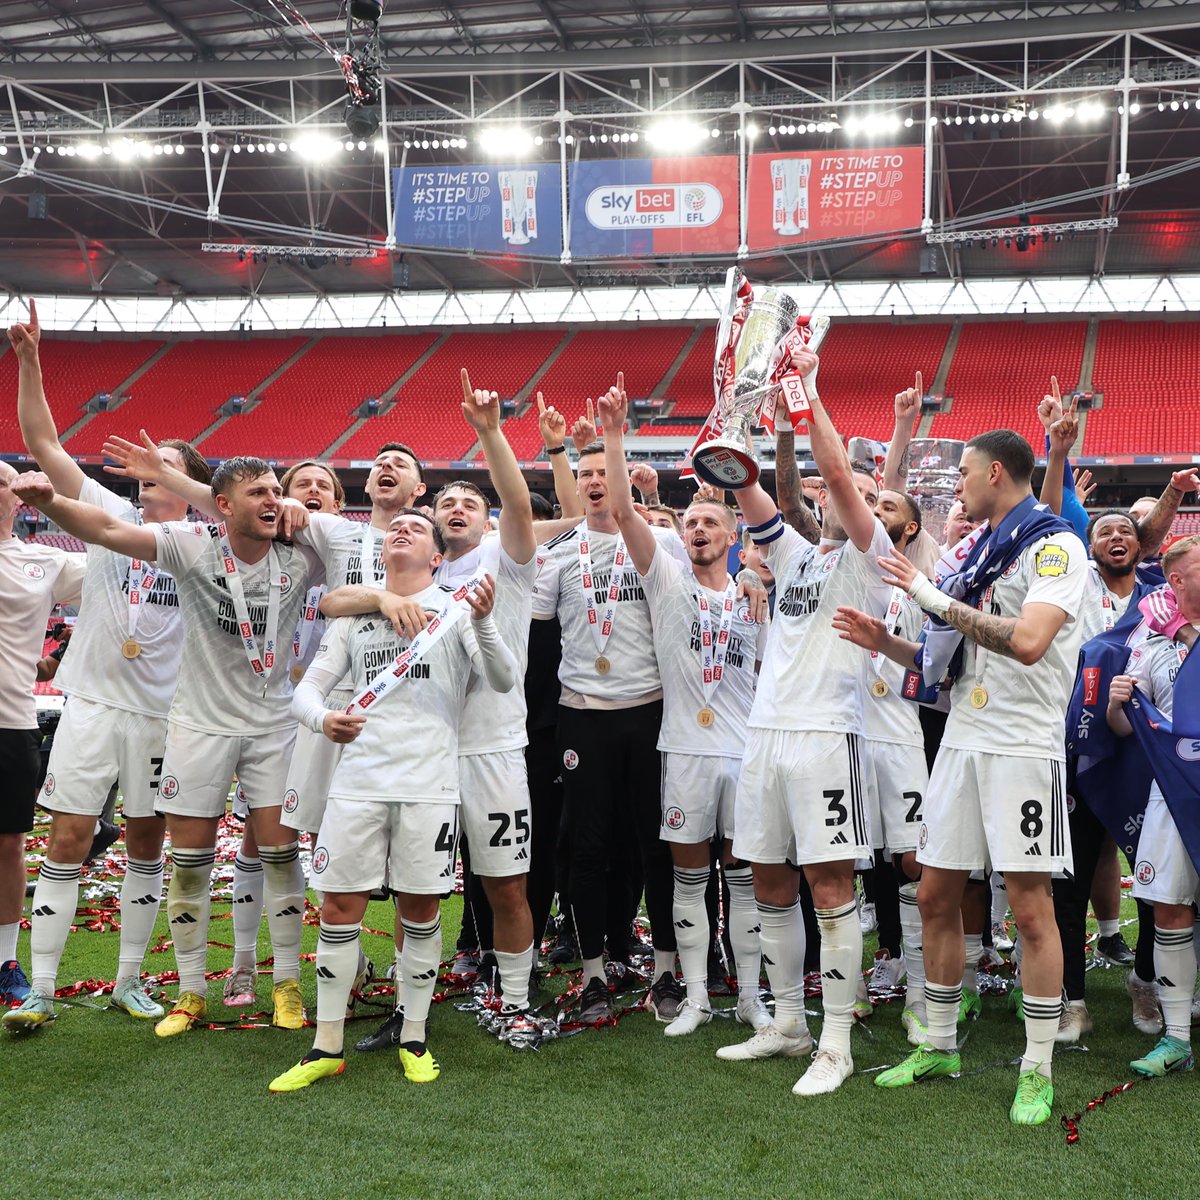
(820, 195)
(508, 209)
(635, 207)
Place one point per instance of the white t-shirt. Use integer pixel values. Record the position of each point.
(1026, 706)
(338, 542)
(408, 749)
(671, 591)
(494, 721)
(218, 691)
(94, 667)
(33, 579)
(1102, 609)
(1154, 663)
(811, 679)
(633, 677)
(891, 718)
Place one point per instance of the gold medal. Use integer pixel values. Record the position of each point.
(297, 672)
(979, 696)
(879, 689)
(705, 717)
(603, 665)
(131, 649)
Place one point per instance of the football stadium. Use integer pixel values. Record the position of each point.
(478, 717)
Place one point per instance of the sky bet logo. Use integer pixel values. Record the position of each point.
(654, 206)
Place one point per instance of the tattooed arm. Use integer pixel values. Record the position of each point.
(788, 493)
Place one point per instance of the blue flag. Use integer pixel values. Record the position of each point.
(1111, 774)
(1172, 748)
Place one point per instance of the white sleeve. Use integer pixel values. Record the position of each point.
(785, 548)
(318, 534)
(490, 657)
(324, 673)
(1058, 574)
(69, 581)
(670, 541)
(664, 572)
(96, 493)
(180, 546)
(545, 586)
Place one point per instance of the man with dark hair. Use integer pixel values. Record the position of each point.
(997, 796)
(610, 710)
(120, 678)
(240, 592)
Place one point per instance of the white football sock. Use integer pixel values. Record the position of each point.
(974, 948)
(283, 897)
(1108, 928)
(781, 934)
(1042, 1015)
(188, 908)
(55, 900)
(742, 922)
(247, 910)
(1175, 972)
(999, 900)
(141, 898)
(514, 976)
(337, 963)
(593, 968)
(691, 931)
(912, 939)
(418, 975)
(841, 973)
(8, 941)
(941, 1014)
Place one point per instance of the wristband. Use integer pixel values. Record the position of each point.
(928, 596)
(556, 449)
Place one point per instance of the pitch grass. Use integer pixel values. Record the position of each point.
(96, 1106)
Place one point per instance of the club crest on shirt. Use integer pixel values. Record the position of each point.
(48, 786)
(34, 571)
(291, 800)
(570, 759)
(285, 582)
(923, 840)
(674, 818)
(1050, 561)
(320, 859)
(1145, 872)
(169, 788)
(1012, 568)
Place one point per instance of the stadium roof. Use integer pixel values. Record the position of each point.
(197, 73)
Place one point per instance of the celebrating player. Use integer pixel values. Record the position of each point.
(393, 804)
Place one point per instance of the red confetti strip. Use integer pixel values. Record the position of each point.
(1070, 1124)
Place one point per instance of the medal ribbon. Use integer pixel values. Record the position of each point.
(260, 664)
(892, 621)
(601, 624)
(713, 651)
(141, 583)
(429, 637)
(307, 624)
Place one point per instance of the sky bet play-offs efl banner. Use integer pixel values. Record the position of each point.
(493, 209)
(636, 207)
(820, 196)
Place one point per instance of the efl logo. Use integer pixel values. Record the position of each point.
(673, 818)
(654, 206)
(1091, 686)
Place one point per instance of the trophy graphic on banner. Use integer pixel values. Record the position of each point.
(931, 468)
(518, 205)
(789, 194)
(757, 341)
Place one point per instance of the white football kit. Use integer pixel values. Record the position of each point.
(997, 794)
(801, 796)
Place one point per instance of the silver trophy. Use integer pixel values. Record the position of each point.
(749, 357)
(931, 471)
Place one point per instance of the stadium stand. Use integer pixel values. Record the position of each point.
(1000, 371)
(1149, 375)
(180, 395)
(315, 400)
(74, 371)
(427, 412)
(64, 541)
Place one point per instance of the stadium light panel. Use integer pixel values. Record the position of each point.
(675, 136)
(505, 140)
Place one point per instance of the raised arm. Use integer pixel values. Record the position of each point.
(33, 413)
(833, 463)
(789, 493)
(1157, 524)
(639, 540)
(1061, 431)
(482, 412)
(553, 427)
(907, 407)
(145, 464)
(496, 661)
(86, 521)
(408, 618)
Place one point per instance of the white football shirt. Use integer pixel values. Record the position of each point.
(1102, 609)
(671, 592)
(218, 692)
(1027, 706)
(495, 721)
(811, 679)
(891, 718)
(33, 579)
(1154, 663)
(338, 542)
(94, 667)
(408, 749)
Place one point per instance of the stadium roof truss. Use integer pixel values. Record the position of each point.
(151, 129)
